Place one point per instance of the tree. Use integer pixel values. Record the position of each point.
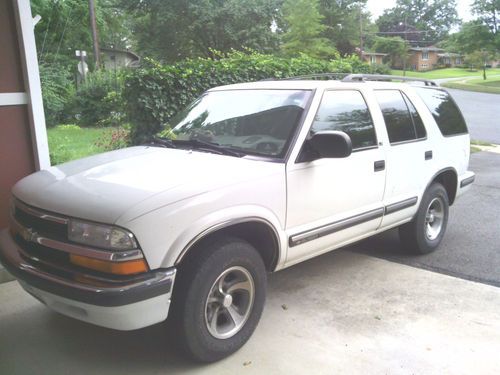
(342, 23)
(304, 30)
(64, 27)
(472, 36)
(171, 30)
(395, 47)
(432, 19)
(474, 60)
(489, 13)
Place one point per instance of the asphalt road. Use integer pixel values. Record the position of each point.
(481, 112)
(471, 246)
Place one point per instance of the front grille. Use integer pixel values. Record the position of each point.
(58, 263)
(46, 254)
(36, 221)
(33, 229)
(48, 228)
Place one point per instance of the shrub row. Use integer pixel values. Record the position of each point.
(155, 93)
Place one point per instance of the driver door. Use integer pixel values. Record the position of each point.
(334, 201)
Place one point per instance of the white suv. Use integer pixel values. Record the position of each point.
(255, 177)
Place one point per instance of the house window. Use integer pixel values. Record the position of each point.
(373, 59)
(425, 55)
(458, 61)
(424, 66)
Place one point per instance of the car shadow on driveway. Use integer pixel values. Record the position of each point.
(89, 347)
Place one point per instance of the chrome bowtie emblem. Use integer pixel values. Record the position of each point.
(28, 234)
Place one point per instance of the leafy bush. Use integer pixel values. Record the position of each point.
(155, 93)
(115, 139)
(98, 101)
(57, 90)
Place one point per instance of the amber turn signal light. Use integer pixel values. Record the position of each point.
(118, 268)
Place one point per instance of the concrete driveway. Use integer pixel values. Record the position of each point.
(341, 313)
(471, 246)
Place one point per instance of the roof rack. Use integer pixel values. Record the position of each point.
(386, 78)
(317, 76)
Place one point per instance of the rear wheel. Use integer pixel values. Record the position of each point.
(424, 233)
(218, 298)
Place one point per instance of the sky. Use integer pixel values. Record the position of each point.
(376, 7)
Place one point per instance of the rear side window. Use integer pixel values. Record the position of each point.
(446, 113)
(346, 110)
(402, 120)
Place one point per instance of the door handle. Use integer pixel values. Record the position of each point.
(379, 165)
(428, 155)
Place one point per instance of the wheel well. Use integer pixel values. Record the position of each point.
(449, 180)
(258, 234)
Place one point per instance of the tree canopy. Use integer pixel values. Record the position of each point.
(432, 19)
(171, 30)
(304, 30)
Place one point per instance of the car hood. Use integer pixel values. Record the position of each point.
(133, 181)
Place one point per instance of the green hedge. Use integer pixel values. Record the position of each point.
(155, 93)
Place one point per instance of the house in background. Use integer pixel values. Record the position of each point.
(450, 59)
(113, 59)
(428, 58)
(424, 58)
(373, 57)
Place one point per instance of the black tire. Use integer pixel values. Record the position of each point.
(417, 236)
(224, 258)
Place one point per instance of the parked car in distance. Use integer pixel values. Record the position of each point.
(258, 177)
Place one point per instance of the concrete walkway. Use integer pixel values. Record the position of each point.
(341, 313)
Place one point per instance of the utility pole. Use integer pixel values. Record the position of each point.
(404, 56)
(360, 34)
(95, 37)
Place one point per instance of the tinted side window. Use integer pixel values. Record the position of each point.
(445, 111)
(346, 111)
(396, 115)
(417, 120)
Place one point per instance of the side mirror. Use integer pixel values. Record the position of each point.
(331, 144)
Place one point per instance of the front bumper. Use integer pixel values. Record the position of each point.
(124, 306)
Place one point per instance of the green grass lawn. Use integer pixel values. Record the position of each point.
(69, 142)
(491, 85)
(447, 73)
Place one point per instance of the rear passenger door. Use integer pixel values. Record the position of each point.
(407, 156)
(331, 201)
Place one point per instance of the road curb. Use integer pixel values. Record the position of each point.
(492, 148)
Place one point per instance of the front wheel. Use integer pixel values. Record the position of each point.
(219, 300)
(424, 233)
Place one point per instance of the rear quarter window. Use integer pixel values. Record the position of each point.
(444, 110)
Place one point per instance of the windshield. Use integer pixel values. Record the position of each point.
(259, 122)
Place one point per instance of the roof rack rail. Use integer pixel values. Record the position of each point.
(325, 76)
(387, 78)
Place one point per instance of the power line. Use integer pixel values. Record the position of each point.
(400, 32)
(64, 31)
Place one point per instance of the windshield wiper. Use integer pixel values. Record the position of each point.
(162, 142)
(209, 146)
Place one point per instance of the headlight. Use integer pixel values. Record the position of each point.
(98, 235)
